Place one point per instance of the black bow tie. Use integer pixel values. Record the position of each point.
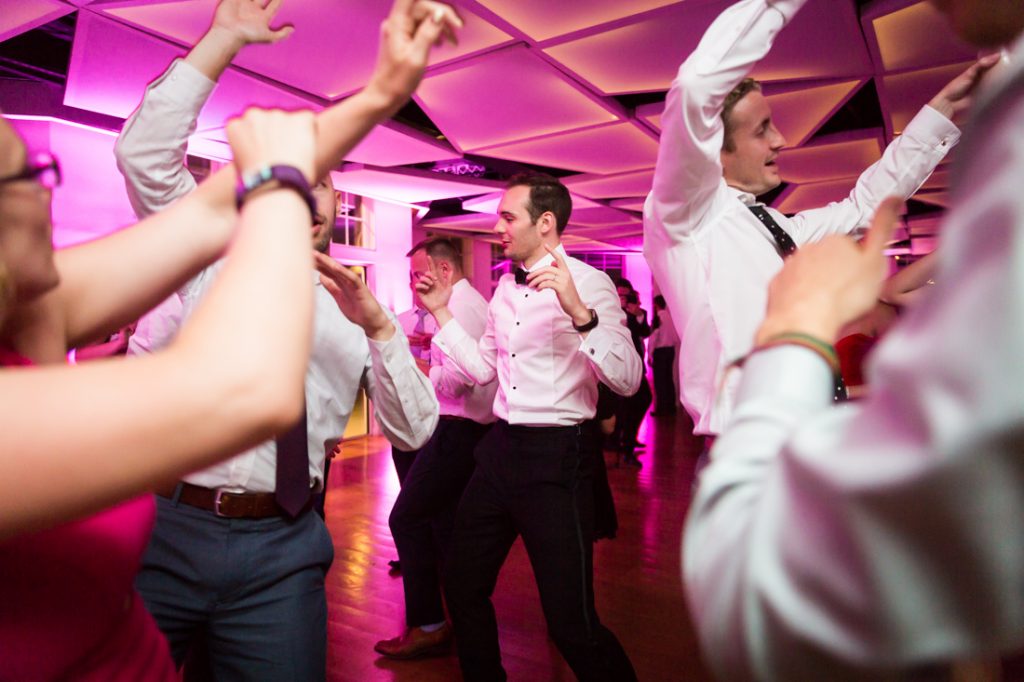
(520, 276)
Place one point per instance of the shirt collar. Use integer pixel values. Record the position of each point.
(547, 260)
(746, 198)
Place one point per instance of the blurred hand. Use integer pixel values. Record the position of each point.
(826, 284)
(248, 21)
(958, 95)
(406, 36)
(353, 297)
(268, 137)
(434, 288)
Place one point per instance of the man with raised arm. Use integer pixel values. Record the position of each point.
(711, 245)
(236, 558)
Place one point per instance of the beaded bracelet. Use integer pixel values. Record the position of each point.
(824, 350)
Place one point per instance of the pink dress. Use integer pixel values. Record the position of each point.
(68, 607)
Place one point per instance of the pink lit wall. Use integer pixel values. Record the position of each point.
(636, 270)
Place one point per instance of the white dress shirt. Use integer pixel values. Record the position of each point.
(547, 372)
(458, 396)
(712, 258)
(150, 153)
(665, 336)
(886, 532)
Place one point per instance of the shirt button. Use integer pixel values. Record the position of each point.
(591, 351)
(517, 324)
(513, 355)
(513, 388)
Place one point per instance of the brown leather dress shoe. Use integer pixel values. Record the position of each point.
(416, 643)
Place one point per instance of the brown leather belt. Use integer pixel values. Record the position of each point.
(227, 504)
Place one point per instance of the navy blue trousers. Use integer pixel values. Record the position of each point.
(251, 590)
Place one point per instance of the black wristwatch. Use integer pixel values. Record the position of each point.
(587, 326)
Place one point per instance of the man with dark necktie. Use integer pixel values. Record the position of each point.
(712, 247)
(237, 561)
(554, 329)
(424, 513)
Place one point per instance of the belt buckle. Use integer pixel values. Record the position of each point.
(216, 502)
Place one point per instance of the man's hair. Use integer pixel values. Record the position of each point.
(633, 297)
(659, 301)
(547, 194)
(623, 283)
(440, 248)
(746, 86)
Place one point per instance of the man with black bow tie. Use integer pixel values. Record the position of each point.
(554, 329)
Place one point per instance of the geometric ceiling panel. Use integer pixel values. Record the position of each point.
(488, 203)
(939, 198)
(915, 37)
(906, 93)
(586, 150)
(509, 95)
(111, 65)
(644, 56)
(798, 198)
(796, 113)
(543, 19)
(332, 51)
(829, 161)
(602, 216)
(613, 186)
(407, 185)
(25, 15)
(938, 180)
(632, 204)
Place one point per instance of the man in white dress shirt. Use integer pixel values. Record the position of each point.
(232, 564)
(554, 329)
(882, 538)
(424, 513)
(709, 242)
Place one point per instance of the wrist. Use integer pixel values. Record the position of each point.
(943, 106)
(774, 326)
(381, 99)
(581, 316)
(379, 329)
(268, 177)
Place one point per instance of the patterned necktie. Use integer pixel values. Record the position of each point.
(291, 487)
(520, 275)
(419, 330)
(783, 241)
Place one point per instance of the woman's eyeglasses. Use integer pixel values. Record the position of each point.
(41, 167)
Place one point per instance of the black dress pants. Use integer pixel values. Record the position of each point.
(632, 414)
(665, 395)
(535, 482)
(424, 513)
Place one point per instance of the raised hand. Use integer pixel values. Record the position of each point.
(958, 95)
(249, 21)
(826, 284)
(557, 277)
(262, 137)
(353, 297)
(406, 36)
(434, 288)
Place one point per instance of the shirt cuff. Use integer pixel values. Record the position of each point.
(596, 345)
(788, 375)
(933, 129)
(449, 336)
(182, 81)
(393, 354)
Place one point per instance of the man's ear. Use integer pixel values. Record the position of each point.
(547, 223)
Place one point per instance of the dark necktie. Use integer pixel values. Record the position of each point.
(520, 276)
(787, 247)
(419, 330)
(783, 241)
(291, 488)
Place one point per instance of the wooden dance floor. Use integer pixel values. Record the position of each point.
(637, 578)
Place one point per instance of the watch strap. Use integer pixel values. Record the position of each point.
(288, 177)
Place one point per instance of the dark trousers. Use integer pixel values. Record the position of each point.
(252, 590)
(631, 413)
(665, 396)
(534, 482)
(403, 460)
(424, 513)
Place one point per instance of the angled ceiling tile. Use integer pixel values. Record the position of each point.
(830, 161)
(586, 150)
(814, 195)
(907, 92)
(505, 96)
(916, 36)
(406, 185)
(611, 186)
(331, 53)
(542, 19)
(488, 203)
(25, 15)
(823, 41)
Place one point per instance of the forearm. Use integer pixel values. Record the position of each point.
(404, 402)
